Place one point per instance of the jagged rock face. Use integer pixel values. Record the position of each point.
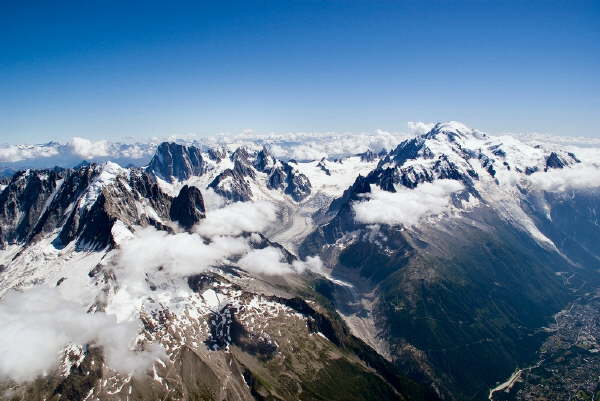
(84, 204)
(282, 176)
(128, 196)
(187, 208)
(22, 202)
(285, 177)
(217, 154)
(34, 202)
(264, 161)
(560, 161)
(174, 161)
(243, 168)
(232, 185)
(322, 165)
(298, 185)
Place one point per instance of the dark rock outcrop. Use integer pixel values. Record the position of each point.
(187, 208)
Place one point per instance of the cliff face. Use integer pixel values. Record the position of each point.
(187, 208)
(82, 205)
(173, 161)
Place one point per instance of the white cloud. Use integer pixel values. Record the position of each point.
(579, 176)
(312, 263)
(305, 146)
(87, 149)
(39, 323)
(155, 257)
(406, 206)
(271, 261)
(268, 261)
(419, 127)
(237, 218)
(180, 254)
(11, 154)
(74, 151)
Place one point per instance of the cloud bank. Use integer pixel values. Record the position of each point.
(151, 258)
(299, 146)
(560, 180)
(407, 206)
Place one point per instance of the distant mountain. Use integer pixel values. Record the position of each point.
(230, 174)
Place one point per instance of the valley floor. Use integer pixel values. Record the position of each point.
(569, 364)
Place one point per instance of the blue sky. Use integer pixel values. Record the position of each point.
(105, 69)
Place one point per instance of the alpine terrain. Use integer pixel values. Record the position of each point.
(453, 266)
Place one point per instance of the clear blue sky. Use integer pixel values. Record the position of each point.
(111, 69)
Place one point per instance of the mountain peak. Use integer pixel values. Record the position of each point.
(174, 161)
(453, 130)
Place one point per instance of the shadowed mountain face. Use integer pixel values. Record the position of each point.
(174, 161)
(187, 208)
(445, 262)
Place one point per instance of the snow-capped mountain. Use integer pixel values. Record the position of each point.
(229, 174)
(224, 272)
(244, 174)
(445, 220)
(84, 205)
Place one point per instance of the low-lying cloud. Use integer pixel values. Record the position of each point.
(271, 261)
(39, 323)
(237, 218)
(407, 206)
(180, 254)
(560, 180)
(265, 261)
(152, 257)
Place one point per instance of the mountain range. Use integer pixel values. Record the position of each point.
(430, 270)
